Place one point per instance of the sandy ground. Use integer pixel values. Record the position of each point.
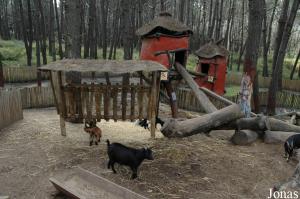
(32, 150)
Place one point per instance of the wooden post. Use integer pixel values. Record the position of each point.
(172, 99)
(1, 73)
(53, 90)
(62, 106)
(153, 104)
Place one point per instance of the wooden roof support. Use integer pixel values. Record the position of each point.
(62, 106)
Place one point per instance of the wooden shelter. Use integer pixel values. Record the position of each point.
(100, 95)
(212, 65)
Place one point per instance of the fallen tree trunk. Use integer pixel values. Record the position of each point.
(259, 123)
(200, 96)
(244, 137)
(278, 125)
(203, 124)
(274, 137)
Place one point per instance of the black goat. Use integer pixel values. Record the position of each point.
(124, 155)
(144, 123)
(292, 143)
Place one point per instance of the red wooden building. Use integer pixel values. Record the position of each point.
(166, 41)
(212, 66)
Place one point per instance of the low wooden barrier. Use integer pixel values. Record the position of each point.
(21, 74)
(37, 97)
(10, 107)
(186, 100)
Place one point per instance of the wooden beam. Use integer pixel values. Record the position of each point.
(54, 94)
(201, 97)
(62, 105)
(154, 102)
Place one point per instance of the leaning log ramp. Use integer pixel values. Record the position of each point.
(79, 183)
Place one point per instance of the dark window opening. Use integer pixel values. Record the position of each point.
(180, 57)
(205, 68)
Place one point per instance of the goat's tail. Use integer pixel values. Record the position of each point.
(108, 143)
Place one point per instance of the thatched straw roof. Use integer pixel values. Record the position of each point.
(102, 66)
(211, 50)
(166, 22)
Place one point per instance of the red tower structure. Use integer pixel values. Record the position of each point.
(212, 65)
(166, 41)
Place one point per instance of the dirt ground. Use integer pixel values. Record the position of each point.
(32, 150)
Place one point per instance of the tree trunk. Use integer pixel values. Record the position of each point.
(244, 137)
(201, 97)
(162, 6)
(60, 51)
(295, 65)
(278, 125)
(268, 41)
(92, 30)
(280, 29)
(275, 137)
(265, 50)
(104, 11)
(52, 50)
(43, 45)
(181, 10)
(24, 33)
(126, 37)
(30, 33)
(253, 45)
(203, 124)
(72, 31)
(280, 58)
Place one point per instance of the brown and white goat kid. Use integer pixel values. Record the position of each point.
(94, 131)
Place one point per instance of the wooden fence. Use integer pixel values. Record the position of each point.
(21, 74)
(186, 100)
(37, 97)
(10, 107)
(264, 82)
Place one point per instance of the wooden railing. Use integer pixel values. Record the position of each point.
(106, 102)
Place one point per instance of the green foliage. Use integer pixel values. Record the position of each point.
(11, 51)
(14, 54)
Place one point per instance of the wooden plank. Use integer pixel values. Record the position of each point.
(115, 103)
(106, 102)
(140, 97)
(153, 103)
(132, 107)
(98, 99)
(94, 186)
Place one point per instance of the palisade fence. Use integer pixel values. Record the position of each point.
(21, 74)
(186, 100)
(264, 82)
(37, 97)
(10, 107)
